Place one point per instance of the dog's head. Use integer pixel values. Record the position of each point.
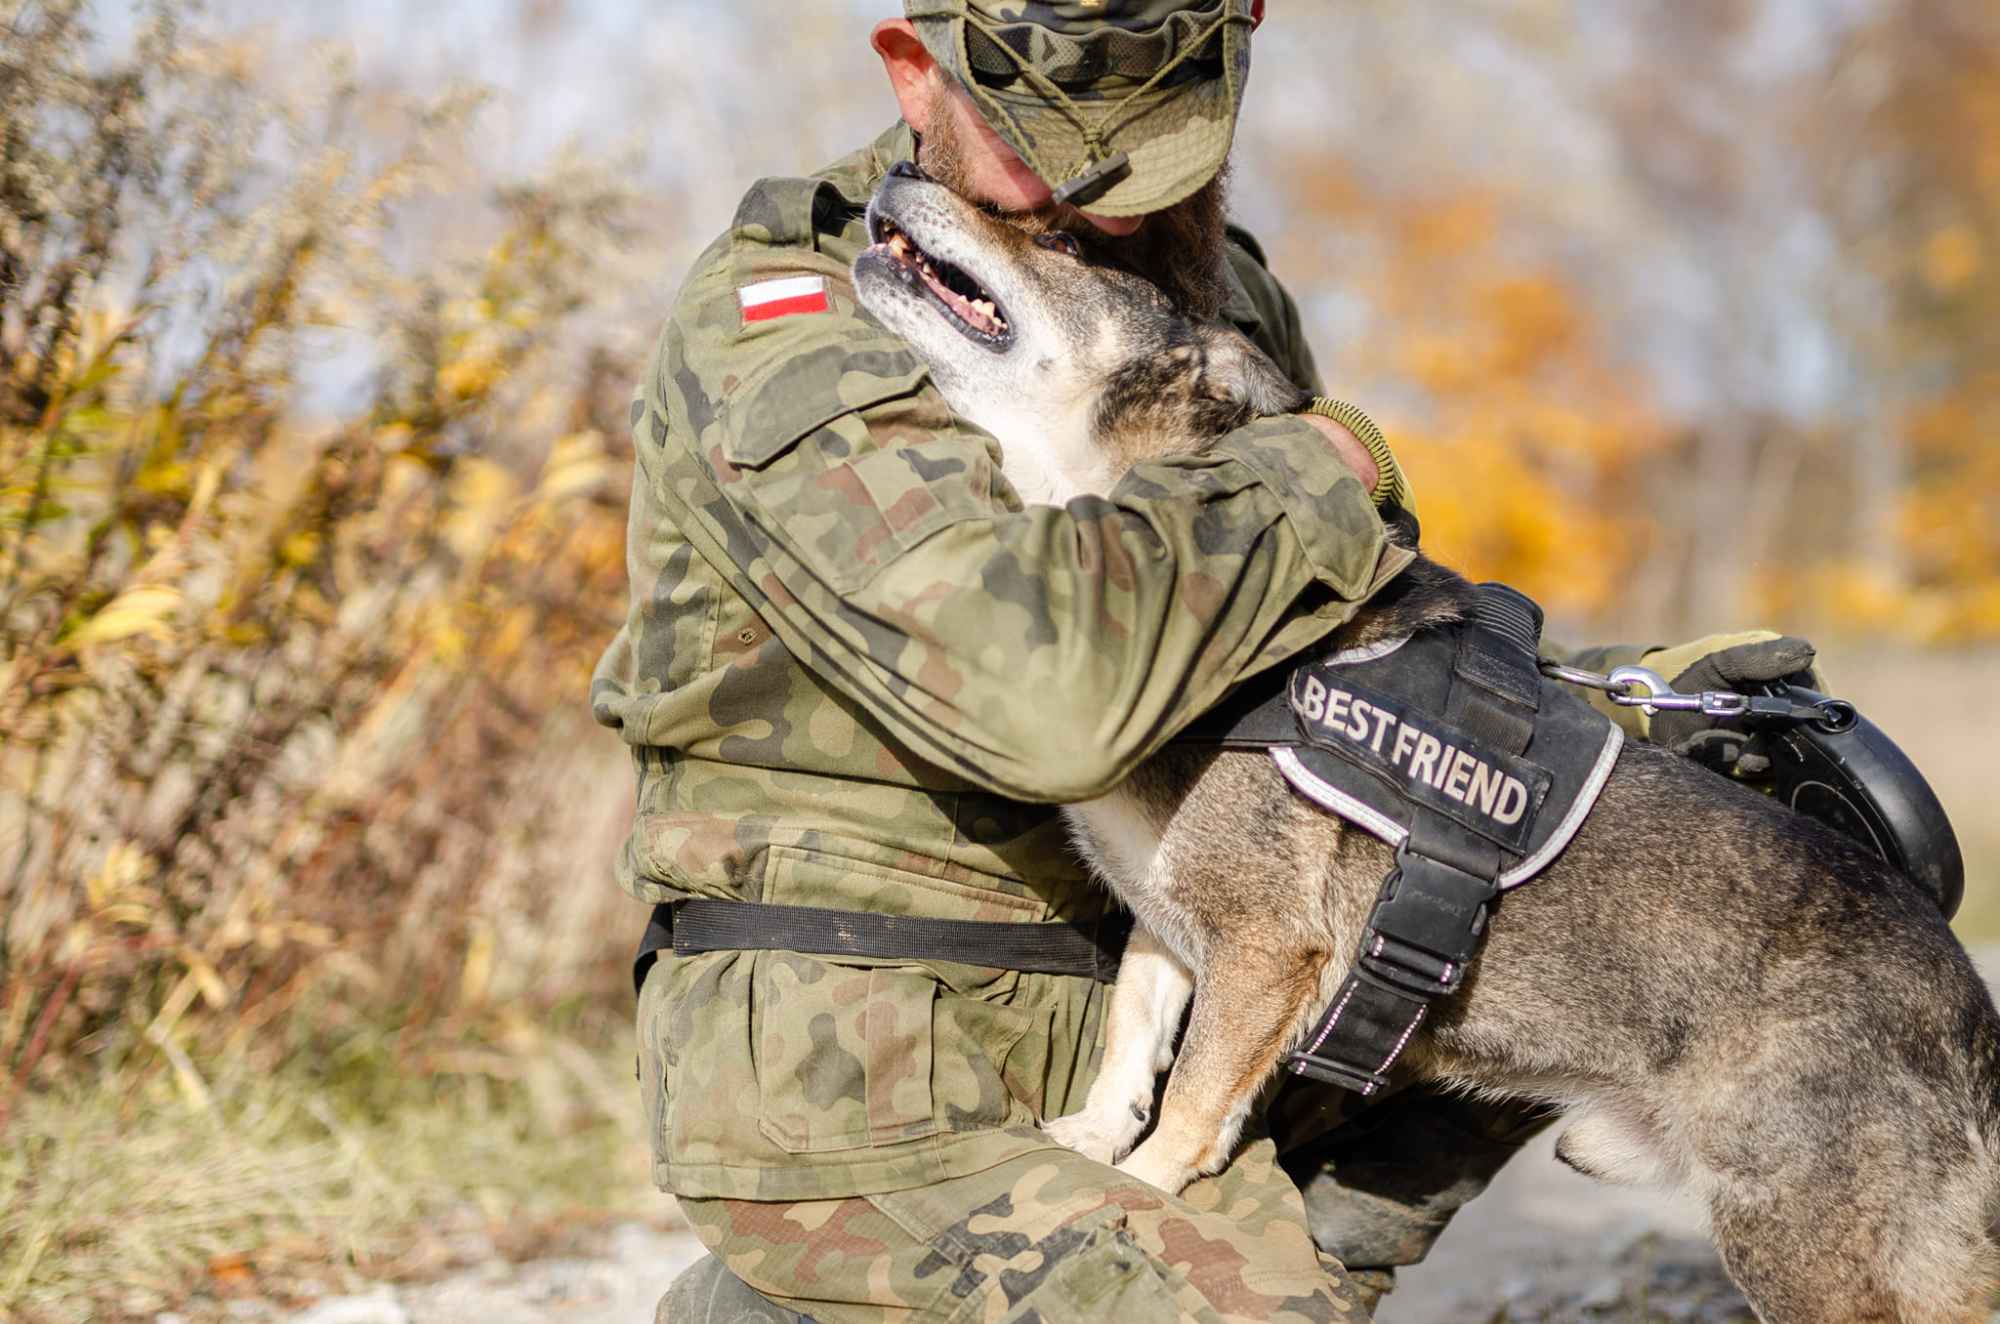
(1026, 335)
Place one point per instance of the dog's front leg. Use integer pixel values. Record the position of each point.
(1247, 1007)
(1146, 1005)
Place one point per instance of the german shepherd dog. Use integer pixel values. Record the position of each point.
(1722, 995)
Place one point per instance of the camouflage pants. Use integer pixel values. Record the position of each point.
(1052, 1237)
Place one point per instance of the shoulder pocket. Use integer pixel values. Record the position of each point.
(809, 383)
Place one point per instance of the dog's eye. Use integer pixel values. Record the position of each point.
(1060, 241)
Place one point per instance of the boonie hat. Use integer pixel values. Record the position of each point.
(1121, 106)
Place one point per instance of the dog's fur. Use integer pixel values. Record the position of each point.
(1723, 996)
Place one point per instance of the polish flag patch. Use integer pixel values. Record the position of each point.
(782, 298)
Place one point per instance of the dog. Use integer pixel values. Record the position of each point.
(1719, 994)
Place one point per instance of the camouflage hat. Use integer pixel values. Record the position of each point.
(1121, 106)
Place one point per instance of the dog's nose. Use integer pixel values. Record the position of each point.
(907, 170)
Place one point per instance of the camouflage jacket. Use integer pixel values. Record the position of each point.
(857, 672)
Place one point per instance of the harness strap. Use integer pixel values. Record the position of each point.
(1431, 913)
(1057, 948)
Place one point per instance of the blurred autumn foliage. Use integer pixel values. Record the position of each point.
(1931, 234)
(1683, 314)
(267, 687)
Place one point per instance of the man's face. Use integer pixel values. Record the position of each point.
(1179, 249)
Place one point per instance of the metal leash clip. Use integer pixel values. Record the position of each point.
(1642, 687)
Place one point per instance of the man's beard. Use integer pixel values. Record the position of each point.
(1180, 248)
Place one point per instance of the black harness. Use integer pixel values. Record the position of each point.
(1452, 747)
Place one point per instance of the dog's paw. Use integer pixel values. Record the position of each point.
(1148, 1164)
(1090, 1137)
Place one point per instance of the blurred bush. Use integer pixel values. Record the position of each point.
(292, 716)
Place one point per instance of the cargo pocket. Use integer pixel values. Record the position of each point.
(863, 1052)
(843, 1054)
(978, 1080)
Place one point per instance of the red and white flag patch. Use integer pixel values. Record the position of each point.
(782, 298)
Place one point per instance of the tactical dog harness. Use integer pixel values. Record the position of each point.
(1452, 747)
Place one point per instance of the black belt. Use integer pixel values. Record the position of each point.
(702, 925)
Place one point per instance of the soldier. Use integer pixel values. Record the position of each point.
(858, 673)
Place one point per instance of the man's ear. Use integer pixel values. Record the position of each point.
(1234, 369)
(913, 74)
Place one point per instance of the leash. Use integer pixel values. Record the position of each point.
(1823, 760)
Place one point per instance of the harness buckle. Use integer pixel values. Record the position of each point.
(1426, 927)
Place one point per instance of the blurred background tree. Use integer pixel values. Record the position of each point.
(316, 332)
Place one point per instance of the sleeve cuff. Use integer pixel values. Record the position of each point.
(1330, 513)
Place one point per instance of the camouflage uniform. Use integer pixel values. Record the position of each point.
(858, 673)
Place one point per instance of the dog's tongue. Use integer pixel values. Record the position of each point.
(980, 314)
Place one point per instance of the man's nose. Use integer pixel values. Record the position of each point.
(907, 170)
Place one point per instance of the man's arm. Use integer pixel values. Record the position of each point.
(1041, 652)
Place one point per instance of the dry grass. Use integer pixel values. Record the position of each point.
(289, 1187)
(293, 727)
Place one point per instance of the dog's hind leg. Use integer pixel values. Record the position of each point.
(1146, 1005)
(1819, 1260)
(1849, 1197)
(1248, 1004)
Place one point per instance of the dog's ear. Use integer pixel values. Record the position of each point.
(1237, 371)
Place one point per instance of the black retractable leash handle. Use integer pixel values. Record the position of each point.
(1849, 775)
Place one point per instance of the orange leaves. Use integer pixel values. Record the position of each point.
(1952, 258)
(1506, 505)
(1533, 321)
(1451, 227)
(1523, 442)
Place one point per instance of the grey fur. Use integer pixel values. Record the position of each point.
(1723, 995)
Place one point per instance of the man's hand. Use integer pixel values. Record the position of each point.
(1349, 447)
(1723, 662)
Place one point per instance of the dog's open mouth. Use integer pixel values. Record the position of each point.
(962, 299)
